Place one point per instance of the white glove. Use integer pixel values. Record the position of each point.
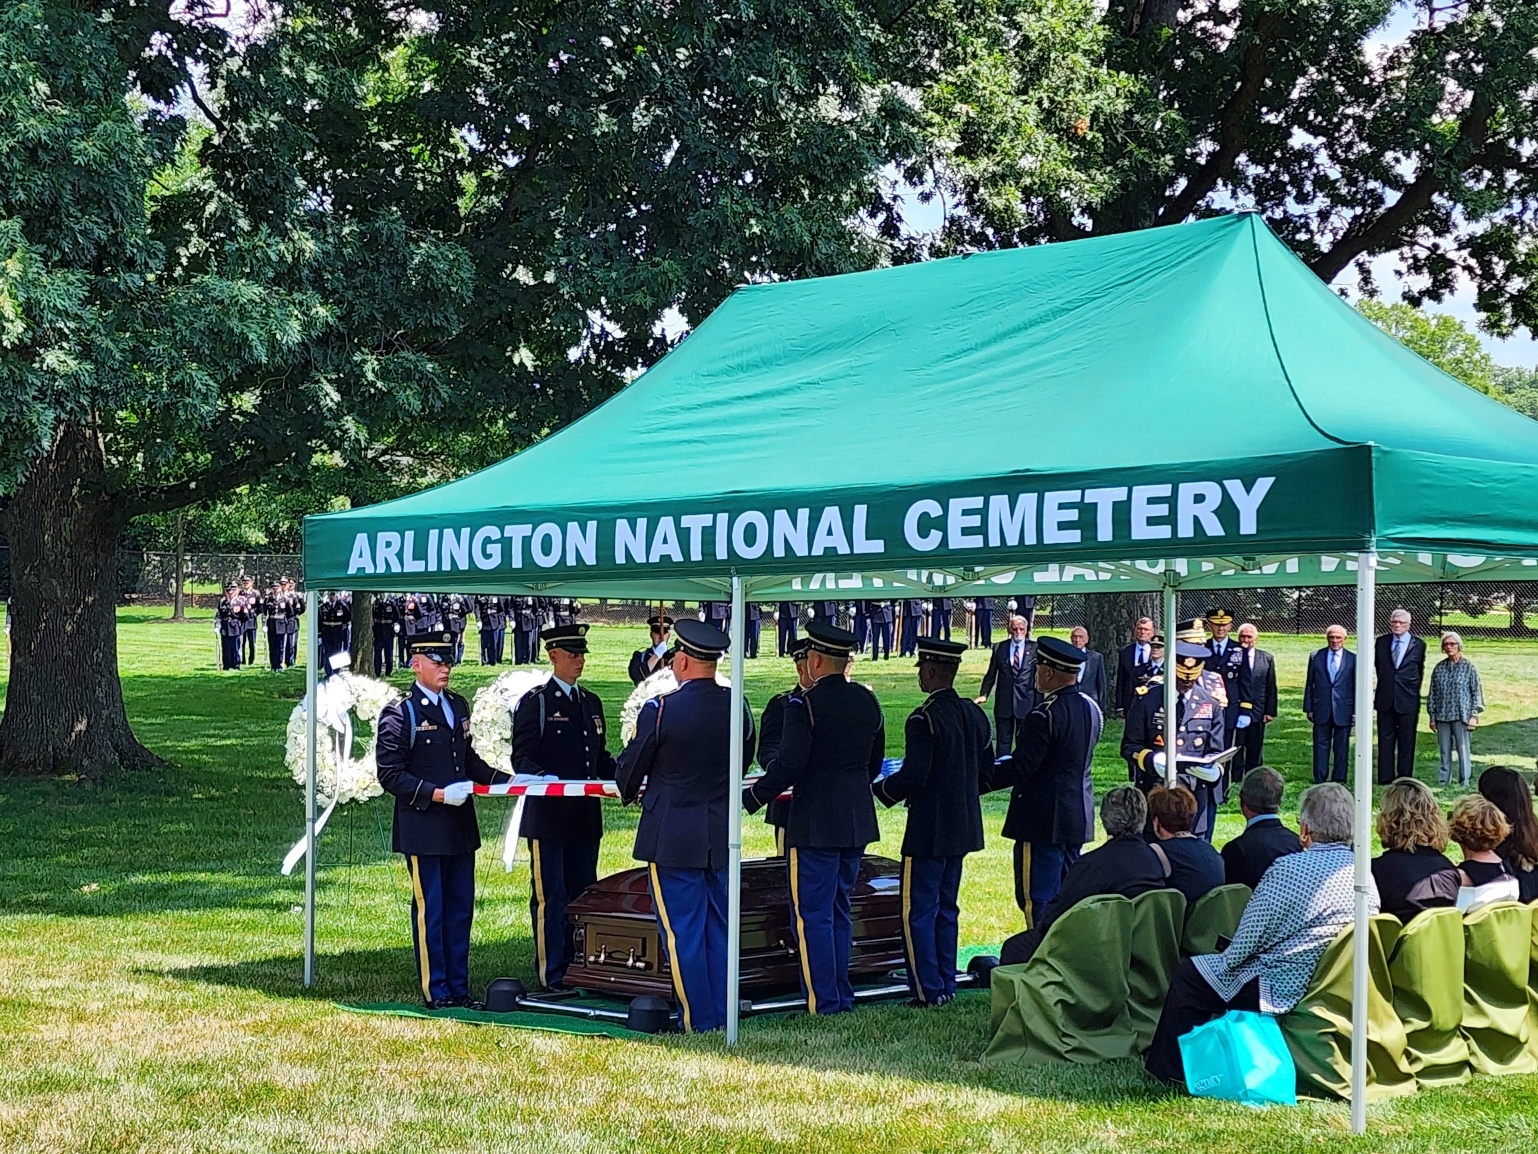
(456, 792)
(397, 628)
(1243, 722)
(660, 648)
(1158, 761)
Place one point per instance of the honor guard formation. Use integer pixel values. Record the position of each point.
(821, 746)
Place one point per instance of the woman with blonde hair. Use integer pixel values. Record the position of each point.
(1479, 827)
(1412, 872)
(1453, 706)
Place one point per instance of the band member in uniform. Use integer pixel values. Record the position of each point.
(231, 617)
(785, 617)
(335, 616)
(253, 601)
(293, 610)
(682, 753)
(1199, 731)
(1012, 668)
(525, 629)
(883, 619)
(427, 763)
(558, 731)
(831, 751)
(387, 623)
(1052, 803)
(947, 760)
(645, 662)
(771, 730)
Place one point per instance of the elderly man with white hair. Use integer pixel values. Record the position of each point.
(1399, 660)
(1303, 902)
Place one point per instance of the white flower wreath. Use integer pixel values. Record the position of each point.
(340, 777)
(656, 685)
(491, 714)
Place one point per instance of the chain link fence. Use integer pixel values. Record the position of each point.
(1478, 609)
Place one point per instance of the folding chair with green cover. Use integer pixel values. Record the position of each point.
(1426, 968)
(1497, 952)
(1318, 1030)
(1215, 915)
(1532, 989)
(1069, 1002)
(1157, 918)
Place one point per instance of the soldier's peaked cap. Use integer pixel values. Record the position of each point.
(830, 639)
(572, 638)
(1219, 616)
(1057, 654)
(1190, 656)
(700, 641)
(940, 652)
(438, 647)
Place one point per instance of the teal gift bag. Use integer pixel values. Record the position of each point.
(1242, 1057)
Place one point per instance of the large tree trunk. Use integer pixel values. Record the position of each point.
(1109, 617)
(363, 632)
(64, 709)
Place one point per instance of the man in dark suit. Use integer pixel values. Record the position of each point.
(427, 763)
(1399, 660)
(682, 831)
(1132, 662)
(1256, 694)
(1012, 668)
(1329, 702)
(1092, 679)
(1265, 838)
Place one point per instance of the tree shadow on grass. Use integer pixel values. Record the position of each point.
(883, 1040)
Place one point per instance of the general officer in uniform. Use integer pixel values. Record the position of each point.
(558, 731)
(771, 730)
(427, 763)
(682, 753)
(1199, 732)
(831, 751)
(947, 760)
(1227, 661)
(645, 662)
(387, 623)
(785, 615)
(1052, 804)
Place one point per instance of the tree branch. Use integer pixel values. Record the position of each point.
(213, 481)
(197, 98)
(1231, 135)
(1387, 229)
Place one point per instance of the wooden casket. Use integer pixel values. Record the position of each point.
(618, 949)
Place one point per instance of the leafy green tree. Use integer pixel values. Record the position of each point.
(372, 238)
(1443, 340)
(1518, 387)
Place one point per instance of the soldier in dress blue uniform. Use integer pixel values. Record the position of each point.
(947, 761)
(231, 623)
(883, 615)
(982, 622)
(1199, 731)
(830, 752)
(682, 753)
(491, 623)
(253, 601)
(525, 629)
(940, 618)
(335, 616)
(645, 662)
(752, 627)
(565, 610)
(1052, 804)
(558, 731)
(272, 608)
(1227, 662)
(786, 614)
(826, 612)
(860, 624)
(387, 624)
(912, 613)
(456, 619)
(427, 763)
(293, 612)
(771, 730)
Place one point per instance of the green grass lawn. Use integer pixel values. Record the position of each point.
(150, 994)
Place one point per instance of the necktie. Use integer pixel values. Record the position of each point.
(1014, 655)
(1398, 651)
(1334, 664)
(1142, 655)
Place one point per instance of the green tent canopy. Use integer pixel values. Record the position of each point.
(1070, 413)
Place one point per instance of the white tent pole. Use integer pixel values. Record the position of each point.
(734, 821)
(1366, 588)
(1169, 684)
(312, 631)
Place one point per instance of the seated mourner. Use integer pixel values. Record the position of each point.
(1301, 905)
(1412, 873)
(1194, 866)
(1124, 865)
(1508, 790)
(1478, 827)
(1247, 857)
